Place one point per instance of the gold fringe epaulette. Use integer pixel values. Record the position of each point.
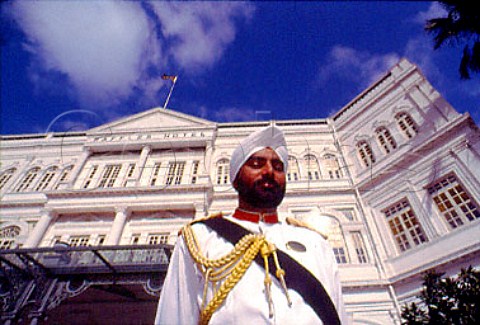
(299, 223)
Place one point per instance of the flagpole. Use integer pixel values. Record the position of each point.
(169, 94)
(173, 78)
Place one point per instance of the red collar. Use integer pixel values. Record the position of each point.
(255, 216)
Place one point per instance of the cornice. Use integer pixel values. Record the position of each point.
(122, 191)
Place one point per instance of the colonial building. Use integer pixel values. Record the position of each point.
(88, 218)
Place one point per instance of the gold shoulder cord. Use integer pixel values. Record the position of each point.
(231, 268)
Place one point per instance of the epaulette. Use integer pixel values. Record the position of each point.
(210, 216)
(299, 223)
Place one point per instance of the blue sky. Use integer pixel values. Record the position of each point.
(73, 65)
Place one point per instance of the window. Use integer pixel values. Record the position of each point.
(101, 240)
(109, 176)
(175, 172)
(403, 223)
(311, 164)
(8, 237)
(331, 166)
(453, 202)
(91, 175)
(6, 176)
(154, 180)
(359, 246)
(406, 124)
(46, 179)
(28, 179)
(336, 240)
(135, 239)
(160, 238)
(131, 170)
(385, 139)
(65, 175)
(129, 175)
(365, 153)
(292, 172)
(55, 240)
(223, 171)
(195, 165)
(76, 241)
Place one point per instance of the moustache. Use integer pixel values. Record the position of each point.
(272, 184)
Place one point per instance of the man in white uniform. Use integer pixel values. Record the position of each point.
(249, 268)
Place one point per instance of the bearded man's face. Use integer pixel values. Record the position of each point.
(261, 180)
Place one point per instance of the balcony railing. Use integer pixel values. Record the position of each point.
(88, 260)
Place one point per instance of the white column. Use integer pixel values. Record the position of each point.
(78, 167)
(199, 210)
(121, 214)
(40, 229)
(141, 164)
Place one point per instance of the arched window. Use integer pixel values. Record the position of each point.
(223, 171)
(365, 153)
(28, 179)
(406, 124)
(65, 175)
(46, 179)
(293, 172)
(311, 166)
(6, 176)
(332, 167)
(8, 237)
(385, 139)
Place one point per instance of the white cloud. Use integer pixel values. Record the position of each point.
(359, 67)
(434, 11)
(420, 51)
(199, 31)
(98, 45)
(106, 49)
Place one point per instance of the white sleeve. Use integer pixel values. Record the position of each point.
(178, 302)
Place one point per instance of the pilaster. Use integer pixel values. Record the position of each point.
(121, 214)
(142, 160)
(40, 229)
(77, 169)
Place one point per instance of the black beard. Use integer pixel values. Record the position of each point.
(259, 197)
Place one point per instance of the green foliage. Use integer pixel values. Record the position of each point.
(446, 300)
(462, 25)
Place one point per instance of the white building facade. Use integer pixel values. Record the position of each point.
(393, 179)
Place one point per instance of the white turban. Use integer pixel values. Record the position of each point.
(270, 136)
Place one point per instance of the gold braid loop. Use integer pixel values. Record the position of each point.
(235, 276)
(231, 267)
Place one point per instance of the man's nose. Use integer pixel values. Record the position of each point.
(267, 168)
